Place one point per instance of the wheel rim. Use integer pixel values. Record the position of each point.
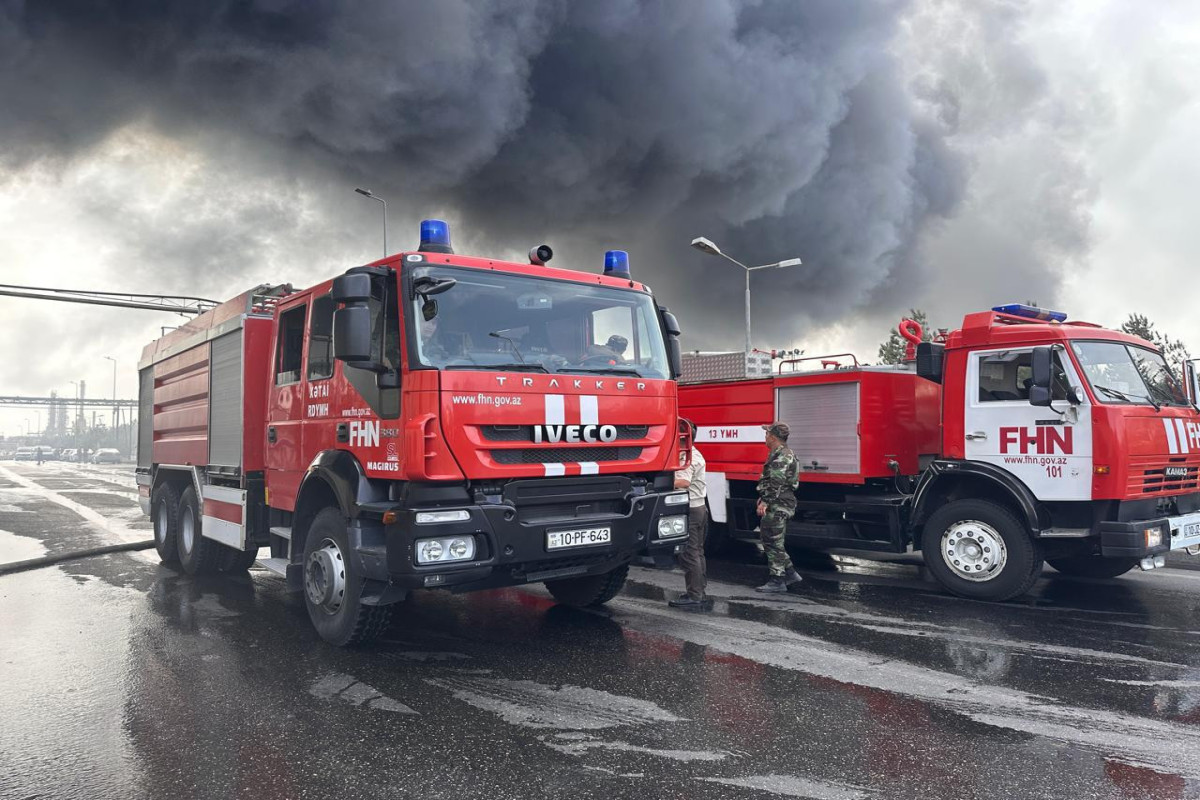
(974, 550)
(160, 526)
(187, 530)
(325, 577)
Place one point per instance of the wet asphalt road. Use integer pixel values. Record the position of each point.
(120, 678)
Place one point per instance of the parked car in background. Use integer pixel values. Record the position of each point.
(107, 455)
(68, 454)
(25, 454)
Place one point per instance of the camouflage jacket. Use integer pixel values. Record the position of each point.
(780, 477)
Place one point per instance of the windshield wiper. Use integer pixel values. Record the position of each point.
(514, 367)
(1128, 398)
(604, 371)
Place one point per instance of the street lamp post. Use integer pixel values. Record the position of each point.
(367, 193)
(116, 415)
(707, 246)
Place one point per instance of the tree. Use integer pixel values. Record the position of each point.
(892, 351)
(1173, 350)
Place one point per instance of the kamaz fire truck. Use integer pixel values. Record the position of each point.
(426, 421)
(1018, 439)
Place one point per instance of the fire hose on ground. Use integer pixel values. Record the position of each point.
(75, 555)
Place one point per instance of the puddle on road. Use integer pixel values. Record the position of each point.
(339, 687)
(793, 786)
(19, 548)
(579, 744)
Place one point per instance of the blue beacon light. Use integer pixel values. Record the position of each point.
(1031, 312)
(616, 264)
(435, 236)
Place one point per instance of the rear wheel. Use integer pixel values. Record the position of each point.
(197, 555)
(1093, 566)
(978, 549)
(333, 585)
(164, 510)
(589, 590)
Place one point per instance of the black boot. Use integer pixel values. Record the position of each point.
(792, 577)
(775, 585)
(686, 602)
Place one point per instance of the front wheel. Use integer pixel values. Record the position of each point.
(589, 590)
(978, 549)
(1093, 566)
(333, 585)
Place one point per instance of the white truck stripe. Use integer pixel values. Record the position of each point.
(589, 409)
(589, 468)
(1172, 443)
(556, 413)
(554, 470)
(1183, 439)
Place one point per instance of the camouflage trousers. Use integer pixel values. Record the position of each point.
(770, 531)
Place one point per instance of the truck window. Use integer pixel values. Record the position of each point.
(1008, 375)
(320, 339)
(289, 349)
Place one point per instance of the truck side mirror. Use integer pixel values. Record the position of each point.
(352, 288)
(352, 333)
(1039, 388)
(674, 351)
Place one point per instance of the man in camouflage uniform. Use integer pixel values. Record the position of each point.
(776, 505)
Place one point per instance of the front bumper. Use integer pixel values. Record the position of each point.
(511, 542)
(1125, 539)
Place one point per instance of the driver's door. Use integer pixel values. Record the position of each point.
(1051, 453)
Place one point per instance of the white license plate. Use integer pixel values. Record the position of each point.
(557, 540)
(1191, 529)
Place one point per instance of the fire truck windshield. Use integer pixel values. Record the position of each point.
(493, 320)
(1121, 373)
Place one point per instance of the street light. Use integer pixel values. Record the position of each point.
(707, 246)
(367, 193)
(116, 411)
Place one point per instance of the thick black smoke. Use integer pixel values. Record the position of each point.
(778, 128)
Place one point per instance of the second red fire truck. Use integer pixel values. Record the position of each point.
(1022, 438)
(426, 421)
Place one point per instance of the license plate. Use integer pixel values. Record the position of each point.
(1190, 530)
(557, 540)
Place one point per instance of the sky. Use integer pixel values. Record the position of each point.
(941, 155)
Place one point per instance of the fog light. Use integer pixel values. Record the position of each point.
(456, 548)
(1153, 537)
(670, 527)
(432, 517)
(430, 551)
(675, 499)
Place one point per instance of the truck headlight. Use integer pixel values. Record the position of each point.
(1153, 537)
(675, 499)
(433, 517)
(669, 527)
(440, 551)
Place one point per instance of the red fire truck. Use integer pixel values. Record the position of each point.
(1018, 439)
(426, 421)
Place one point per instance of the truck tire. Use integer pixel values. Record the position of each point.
(1093, 566)
(233, 561)
(333, 585)
(978, 549)
(164, 511)
(197, 555)
(590, 590)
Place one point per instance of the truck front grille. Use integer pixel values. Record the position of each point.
(524, 433)
(1144, 479)
(563, 455)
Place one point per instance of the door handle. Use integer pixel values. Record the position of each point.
(271, 434)
(976, 436)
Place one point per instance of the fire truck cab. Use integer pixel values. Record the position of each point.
(1019, 439)
(429, 420)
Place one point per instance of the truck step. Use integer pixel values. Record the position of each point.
(281, 532)
(275, 565)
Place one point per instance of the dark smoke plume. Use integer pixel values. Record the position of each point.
(776, 127)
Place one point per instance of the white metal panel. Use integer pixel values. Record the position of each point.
(824, 423)
(225, 401)
(228, 533)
